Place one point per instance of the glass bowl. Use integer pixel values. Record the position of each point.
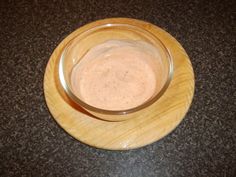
(93, 36)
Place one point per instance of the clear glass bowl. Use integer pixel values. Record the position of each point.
(97, 35)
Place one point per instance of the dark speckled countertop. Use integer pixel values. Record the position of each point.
(32, 144)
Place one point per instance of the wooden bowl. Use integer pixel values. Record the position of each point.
(148, 126)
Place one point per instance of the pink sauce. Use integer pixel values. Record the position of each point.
(116, 75)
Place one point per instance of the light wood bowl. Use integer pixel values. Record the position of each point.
(146, 127)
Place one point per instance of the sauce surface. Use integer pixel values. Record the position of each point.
(116, 75)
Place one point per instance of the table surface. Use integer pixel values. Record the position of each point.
(31, 142)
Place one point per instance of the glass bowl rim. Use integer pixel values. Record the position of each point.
(83, 104)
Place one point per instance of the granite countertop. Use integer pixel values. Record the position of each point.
(31, 142)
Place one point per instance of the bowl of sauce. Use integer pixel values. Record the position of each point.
(115, 71)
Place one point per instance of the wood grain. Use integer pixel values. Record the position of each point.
(149, 126)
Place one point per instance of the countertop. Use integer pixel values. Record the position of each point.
(31, 142)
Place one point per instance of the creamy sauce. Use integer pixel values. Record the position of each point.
(116, 75)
